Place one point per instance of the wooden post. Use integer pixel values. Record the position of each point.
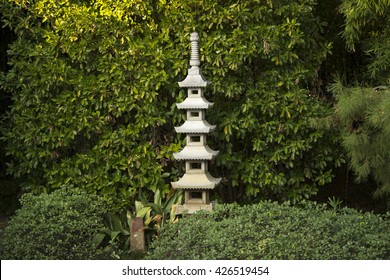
(137, 238)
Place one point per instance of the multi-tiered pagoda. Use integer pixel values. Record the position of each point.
(197, 181)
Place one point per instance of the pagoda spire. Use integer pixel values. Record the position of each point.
(194, 62)
(194, 77)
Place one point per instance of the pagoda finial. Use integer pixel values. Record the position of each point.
(194, 49)
(194, 77)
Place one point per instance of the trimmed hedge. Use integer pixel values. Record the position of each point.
(272, 231)
(59, 225)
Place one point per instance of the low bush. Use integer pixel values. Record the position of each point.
(59, 225)
(272, 231)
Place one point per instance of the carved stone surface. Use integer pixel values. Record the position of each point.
(194, 78)
(194, 103)
(196, 152)
(197, 181)
(200, 126)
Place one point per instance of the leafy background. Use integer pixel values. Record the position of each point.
(94, 87)
(88, 92)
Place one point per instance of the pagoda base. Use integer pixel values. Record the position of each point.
(189, 208)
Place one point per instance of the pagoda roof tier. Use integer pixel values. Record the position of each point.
(195, 126)
(194, 79)
(196, 153)
(196, 181)
(195, 103)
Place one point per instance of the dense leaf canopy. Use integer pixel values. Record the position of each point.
(94, 87)
(362, 111)
(367, 24)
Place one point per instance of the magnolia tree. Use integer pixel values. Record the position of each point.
(94, 87)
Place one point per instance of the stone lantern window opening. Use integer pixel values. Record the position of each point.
(196, 167)
(194, 115)
(196, 140)
(196, 194)
(198, 197)
(195, 92)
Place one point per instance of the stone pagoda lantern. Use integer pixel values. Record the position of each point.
(197, 181)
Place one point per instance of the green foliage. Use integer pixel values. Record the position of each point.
(366, 24)
(273, 231)
(361, 112)
(362, 115)
(155, 215)
(94, 87)
(59, 225)
(260, 59)
(117, 227)
(334, 203)
(86, 105)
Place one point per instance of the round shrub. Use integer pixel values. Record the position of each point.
(59, 225)
(272, 231)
